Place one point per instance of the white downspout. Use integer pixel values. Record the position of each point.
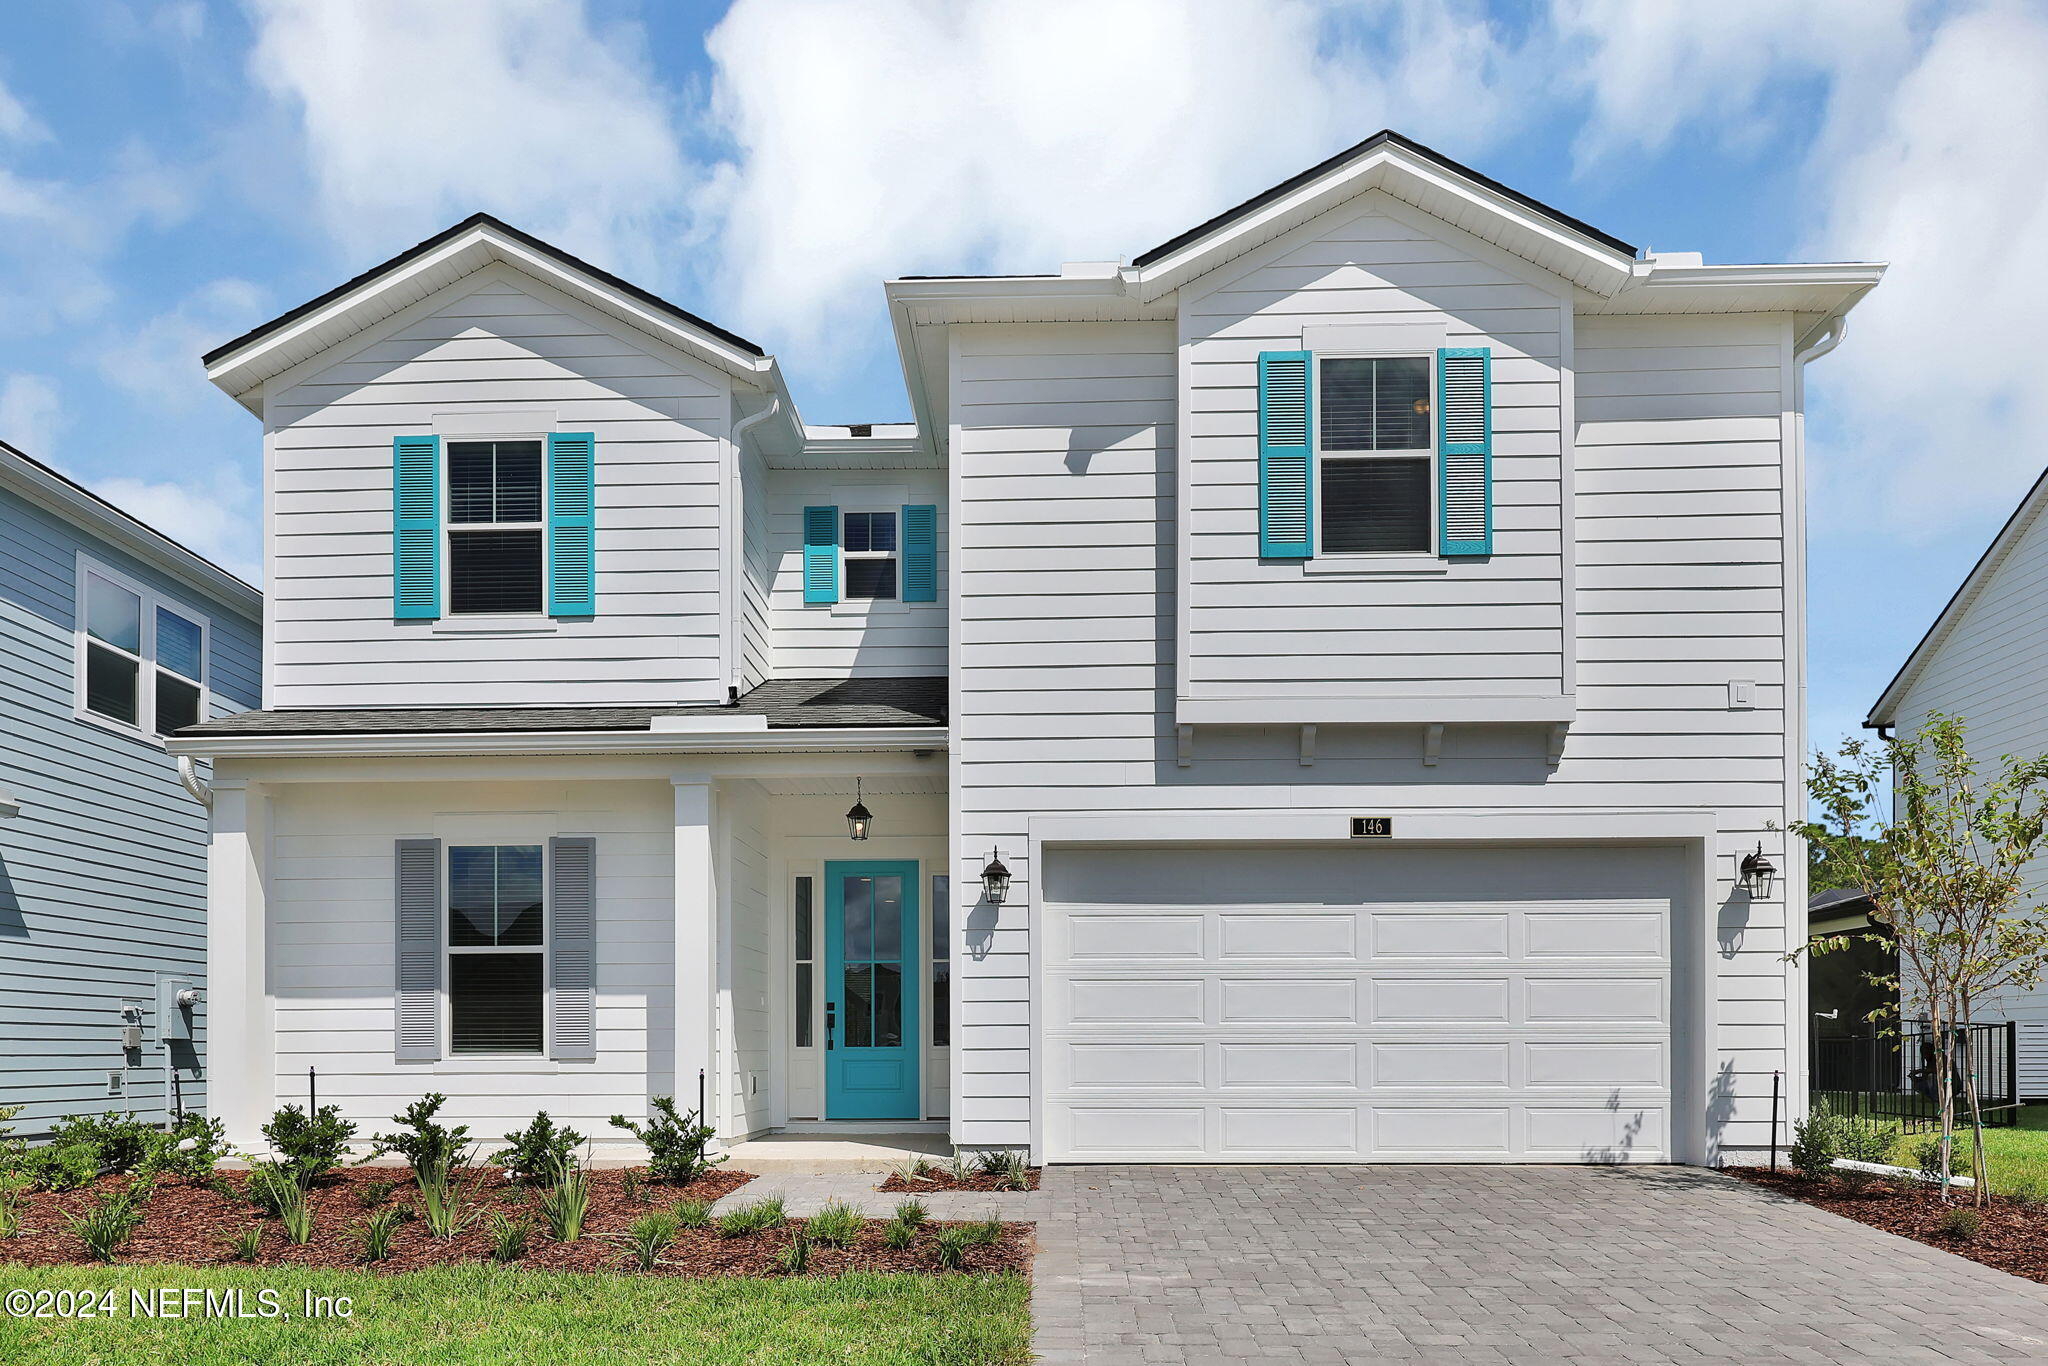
(736, 548)
(188, 774)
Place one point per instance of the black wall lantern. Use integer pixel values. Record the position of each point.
(858, 817)
(995, 879)
(1757, 872)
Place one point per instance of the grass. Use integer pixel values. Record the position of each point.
(2018, 1157)
(490, 1314)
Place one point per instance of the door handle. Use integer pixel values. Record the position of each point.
(831, 1023)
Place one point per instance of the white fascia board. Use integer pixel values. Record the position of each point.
(1830, 290)
(1372, 711)
(1417, 825)
(144, 542)
(818, 739)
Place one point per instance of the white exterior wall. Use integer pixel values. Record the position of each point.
(1045, 726)
(849, 639)
(501, 354)
(1292, 628)
(747, 964)
(755, 646)
(331, 944)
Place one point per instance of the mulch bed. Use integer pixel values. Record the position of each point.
(192, 1224)
(942, 1179)
(2013, 1237)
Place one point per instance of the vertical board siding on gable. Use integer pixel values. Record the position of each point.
(103, 875)
(1066, 687)
(1369, 269)
(889, 640)
(332, 947)
(510, 345)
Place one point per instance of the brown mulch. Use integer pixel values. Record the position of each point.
(192, 1224)
(941, 1179)
(2013, 1237)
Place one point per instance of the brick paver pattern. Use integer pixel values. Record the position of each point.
(1153, 1266)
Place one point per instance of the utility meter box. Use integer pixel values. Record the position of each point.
(174, 998)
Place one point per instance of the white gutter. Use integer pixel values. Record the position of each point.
(1837, 326)
(799, 740)
(188, 774)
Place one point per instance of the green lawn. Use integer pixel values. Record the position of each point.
(2017, 1156)
(486, 1314)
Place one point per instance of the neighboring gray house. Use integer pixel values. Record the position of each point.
(1985, 659)
(112, 635)
(1367, 628)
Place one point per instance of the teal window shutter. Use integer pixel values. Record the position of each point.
(572, 524)
(1464, 408)
(920, 552)
(1286, 456)
(416, 527)
(821, 554)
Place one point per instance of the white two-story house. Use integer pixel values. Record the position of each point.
(1365, 629)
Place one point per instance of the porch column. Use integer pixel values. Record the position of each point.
(696, 980)
(241, 1083)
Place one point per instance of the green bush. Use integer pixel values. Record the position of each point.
(111, 1219)
(191, 1148)
(273, 1187)
(566, 1202)
(649, 1236)
(311, 1146)
(1927, 1153)
(795, 1257)
(376, 1233)
(1863, 1139)
(911, 1212)
(509, 1237)
(675, 1143)
(121, 1142)
(952, 1245)
(432, 1149)
(836, 1225)
(1817, 1141)
(1961, 1222)
(756, 1216)
(537, 1150)
(61, 1167)
(693, 1213)
(247, 1245)
(897, 1235)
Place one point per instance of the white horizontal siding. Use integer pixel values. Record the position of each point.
(498, 343)
(850, 639)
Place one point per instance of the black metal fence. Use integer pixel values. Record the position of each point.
(1895, 1076)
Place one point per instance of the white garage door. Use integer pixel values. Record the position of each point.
(1393, 1004)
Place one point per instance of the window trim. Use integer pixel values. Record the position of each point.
(144, 725)
(1389, 559)
(450, 529)
(545, 949)
(895, 515)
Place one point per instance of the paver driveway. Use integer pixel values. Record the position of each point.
(1145, 1266)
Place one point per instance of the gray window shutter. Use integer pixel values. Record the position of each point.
(572, 948)
(417, 1034)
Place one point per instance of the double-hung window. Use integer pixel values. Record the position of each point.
(141, 658)
(1376, 454)
(869, 549)
(497, 949)
(497, 523)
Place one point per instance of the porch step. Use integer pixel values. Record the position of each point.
(799, 1154)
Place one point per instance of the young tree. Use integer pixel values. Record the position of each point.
(1941, 851)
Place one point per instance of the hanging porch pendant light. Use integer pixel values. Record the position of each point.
(858, 817)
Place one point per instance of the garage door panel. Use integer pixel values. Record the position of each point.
(1256, 1066)
(1596, 934)
(1128, 1130)
(1288, 1000)
(1301, 1130)
(1437, 934)
(1595, 1133)
(1440, 999)
(1579, 1063)
(1434, 1130)
(1134, 1000)
(1328, 937)
(1596, 1000)
(1442, 1064)
(1129, 1066)
(1138, 938)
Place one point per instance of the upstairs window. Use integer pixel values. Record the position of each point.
(496, 528)
(496, 948)
(1374, 440)
(141, 658)
(870, 555)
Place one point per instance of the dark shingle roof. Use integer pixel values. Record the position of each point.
(789, 704)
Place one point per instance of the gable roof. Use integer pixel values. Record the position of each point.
(240, 366)
(1884, 711)
(1384, 138)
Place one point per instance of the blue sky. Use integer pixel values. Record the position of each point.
(171, 174)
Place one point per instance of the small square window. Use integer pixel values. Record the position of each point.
(871, 579)
(870, 531)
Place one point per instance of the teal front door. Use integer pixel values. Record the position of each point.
(871, 981)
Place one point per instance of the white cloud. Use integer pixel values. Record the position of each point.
(159, 360)
(31, 414)
(218, 516)
(903, 135)
(16, 122)
(415, 115)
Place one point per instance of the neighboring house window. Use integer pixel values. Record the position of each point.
(497, 949)
(1374, 439)
(806, 966)
(942, 960)
(141, 658)
(496, 526)
(870, 554)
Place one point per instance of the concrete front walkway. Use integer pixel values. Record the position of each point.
(1472, 1266)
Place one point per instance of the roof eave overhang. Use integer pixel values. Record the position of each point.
(241, 370)
(1823, 290)
(799, 739)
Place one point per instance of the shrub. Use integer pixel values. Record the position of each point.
(756, 1216)
(629, 1186)
(61, 1167)
(371, 1194)
(1927, 1153)
(693, 1213)
(272, 1186)
(983, 1232)
(120, 1142)
(1007, 1166)
(310, 1146)
(836, 1225)
(295, 1213)
(1961, 1222)
(1860, 1138)
(897, 1235)
(447, 1205)
(433, 1150)
(566, 1203)
(675, 1143)
(795, 1256)
(377, 1231)
(536, 1150)
(11, 1148)
(190, 1148)
(111, 1219)
(508, 1237)
(1816, 1141)
(12, 1187)
(952, 1249)
(959, 1167)
(649, 1236)
(911, 1212)
(247, 1245)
